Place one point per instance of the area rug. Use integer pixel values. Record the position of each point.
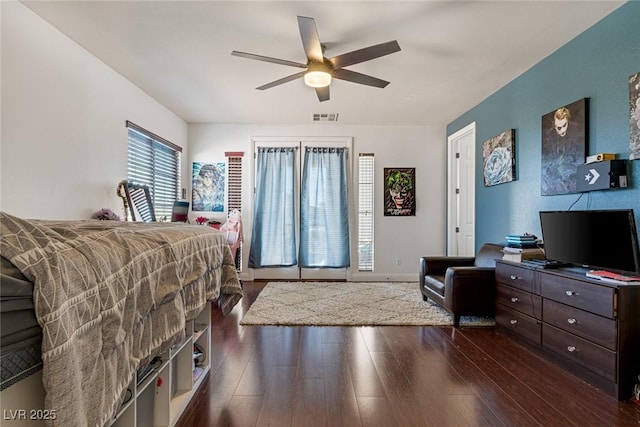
(349, 304)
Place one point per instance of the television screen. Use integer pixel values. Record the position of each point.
(598, 239)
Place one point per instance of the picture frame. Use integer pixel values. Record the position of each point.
(399, 191)
(634, 117)
(499, 158)
(564, 147)
(207, 187)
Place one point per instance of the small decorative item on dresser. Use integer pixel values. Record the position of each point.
(106, 215)
(214, 224)
(202, 220)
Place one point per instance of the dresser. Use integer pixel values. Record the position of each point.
(589, 327)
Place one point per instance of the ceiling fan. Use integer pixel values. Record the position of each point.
(318, 69)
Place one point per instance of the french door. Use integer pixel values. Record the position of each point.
(310, 233)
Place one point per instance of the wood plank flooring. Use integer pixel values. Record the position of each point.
(387, 376)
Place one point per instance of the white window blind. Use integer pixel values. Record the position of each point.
(234, 174)
(365, 212)
(234, 192)
(155, 162)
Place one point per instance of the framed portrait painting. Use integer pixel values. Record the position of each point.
(498, 158)
(634, 114)
(207, 187)
(399, 191)
(564, 147)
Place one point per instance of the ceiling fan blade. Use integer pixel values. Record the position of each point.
(281, 81)
(310, 39)
(363, 79)
(323, 93)
(268, 59)
(361, 55)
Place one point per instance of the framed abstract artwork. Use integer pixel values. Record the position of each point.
(399, 191)
(207, 187)
(564, 147)
(634, 114)
(499, 158)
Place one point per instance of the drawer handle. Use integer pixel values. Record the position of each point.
(514, 277)
(571, 293)
(571, 349)
(513, 321)
(572, 321)
(514, 299)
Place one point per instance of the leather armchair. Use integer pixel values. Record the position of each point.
(465, 286)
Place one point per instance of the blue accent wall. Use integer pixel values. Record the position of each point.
(595, 65)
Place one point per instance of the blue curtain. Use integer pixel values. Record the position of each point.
(273, 242)
(324, 214)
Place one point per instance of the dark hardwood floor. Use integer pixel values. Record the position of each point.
(387, 376)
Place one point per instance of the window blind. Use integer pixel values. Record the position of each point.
(365, 212)
(234, 193)
(155, 162)
(234, 173)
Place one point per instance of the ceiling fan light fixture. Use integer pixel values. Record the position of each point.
(317, 75)
(317, 79)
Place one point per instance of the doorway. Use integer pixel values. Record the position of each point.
(461, 192)
(299, 145)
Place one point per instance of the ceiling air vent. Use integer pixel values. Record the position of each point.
(325, 117)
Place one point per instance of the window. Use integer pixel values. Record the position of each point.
(234, 174)
(234, 193)
(155, 162)
(365, 212)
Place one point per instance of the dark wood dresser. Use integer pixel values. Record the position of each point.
(591, 328)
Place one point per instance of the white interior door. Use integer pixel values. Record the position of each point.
(296, 273)
(461, 192)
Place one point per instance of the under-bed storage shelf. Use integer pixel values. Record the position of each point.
(162, 396)
(157, 399)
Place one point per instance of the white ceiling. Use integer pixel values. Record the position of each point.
(454, 53)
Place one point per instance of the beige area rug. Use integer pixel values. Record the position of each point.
(349, 304)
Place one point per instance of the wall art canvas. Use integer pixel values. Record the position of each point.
(564, 147)
(499, 158)
(634, 109)
(208, 183)
(399, 191)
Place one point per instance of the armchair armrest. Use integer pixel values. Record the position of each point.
(437, 265)
(469, 286)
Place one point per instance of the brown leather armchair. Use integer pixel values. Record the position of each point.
(465, 286)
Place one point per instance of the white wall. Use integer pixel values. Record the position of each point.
(406, 238)
(64, 140)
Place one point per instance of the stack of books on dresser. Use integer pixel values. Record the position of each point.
(520, 247)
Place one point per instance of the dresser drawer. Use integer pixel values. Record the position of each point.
(587, 296)
(519, 300)
(521, 324)
(514, 276)
(601, 330)
(587, 354)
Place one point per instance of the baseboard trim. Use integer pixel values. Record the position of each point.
(382, 277)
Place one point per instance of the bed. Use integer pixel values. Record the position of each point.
(89, 302)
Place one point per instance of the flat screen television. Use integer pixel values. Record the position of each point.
(595, 239)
